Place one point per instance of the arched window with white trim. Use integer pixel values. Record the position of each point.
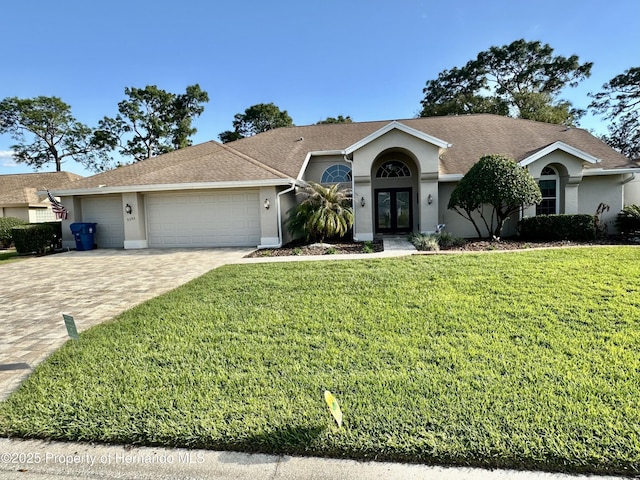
(393, 169)
(549, 184)
(336, 174)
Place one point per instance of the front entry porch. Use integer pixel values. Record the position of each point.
(393, 211)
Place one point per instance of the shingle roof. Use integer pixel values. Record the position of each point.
(280, 154)
(20, 189)
(203, 163)
(471, 136)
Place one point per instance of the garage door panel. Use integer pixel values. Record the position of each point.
(208, 219)
(107, 213)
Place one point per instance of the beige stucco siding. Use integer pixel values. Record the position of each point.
(457, 225)
(632, 190)
(318, 164)
(17, 212)
(605, 189)
(287, 202)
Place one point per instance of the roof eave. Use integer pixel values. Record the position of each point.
(103, 190)
(395, 125)
(559, 146)
(594, 172)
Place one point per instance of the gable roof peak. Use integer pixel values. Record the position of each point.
(397, 125)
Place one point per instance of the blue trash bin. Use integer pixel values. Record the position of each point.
(83, 234)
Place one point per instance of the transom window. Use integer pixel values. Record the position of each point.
(393, 169)
(549, 188)
(336, 174)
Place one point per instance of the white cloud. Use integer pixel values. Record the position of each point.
(6, 158)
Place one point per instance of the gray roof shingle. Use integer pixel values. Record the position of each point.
(20, 189)
(279, 154)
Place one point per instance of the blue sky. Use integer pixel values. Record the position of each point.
(368, 59)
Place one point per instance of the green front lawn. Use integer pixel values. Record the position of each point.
(8, 255)
(524, 360)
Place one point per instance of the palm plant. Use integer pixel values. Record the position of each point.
(325, 212)
(628, 220)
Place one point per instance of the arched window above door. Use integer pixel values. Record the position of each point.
(393, 169)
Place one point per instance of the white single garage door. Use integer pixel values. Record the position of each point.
(206, 219)
(107, 212)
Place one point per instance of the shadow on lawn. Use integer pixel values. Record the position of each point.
(289, 440)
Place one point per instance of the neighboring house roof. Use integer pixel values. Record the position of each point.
(209, 162)
(277, 156)
(19, 190)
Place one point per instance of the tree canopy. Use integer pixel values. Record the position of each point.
(338, 119)
(152, 121)
(57, 135)
(493, 189)
(523, 79)
(619, 101)
(256, 119)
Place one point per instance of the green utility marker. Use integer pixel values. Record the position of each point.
(71, 326)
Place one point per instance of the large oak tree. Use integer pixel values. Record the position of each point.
(152, 121)
(256, 119)
(55, 133)
(619, 100)
(522, 79)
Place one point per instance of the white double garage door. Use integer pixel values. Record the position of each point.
(202, 219)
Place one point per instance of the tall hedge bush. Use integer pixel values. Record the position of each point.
(33, 238)
(6, 225)
(558, 227)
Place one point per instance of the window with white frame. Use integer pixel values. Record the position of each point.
(549, 185)
(336, 174)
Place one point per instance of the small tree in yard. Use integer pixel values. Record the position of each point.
(496, 182)
(324, 213)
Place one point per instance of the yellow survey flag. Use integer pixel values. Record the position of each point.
(333, 407)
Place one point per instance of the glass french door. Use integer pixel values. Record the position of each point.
(393, 210)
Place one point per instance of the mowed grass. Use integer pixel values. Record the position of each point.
(8, 255)
(523, 360)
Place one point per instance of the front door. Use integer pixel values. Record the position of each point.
(393, 210)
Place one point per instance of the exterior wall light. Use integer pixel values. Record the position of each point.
(429, 199)
(362, 202)
(267, 203)
(128, 209)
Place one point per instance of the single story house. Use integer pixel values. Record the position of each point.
(401, 172)
(19, 195)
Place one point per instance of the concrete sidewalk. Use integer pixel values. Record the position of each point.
(39, 460)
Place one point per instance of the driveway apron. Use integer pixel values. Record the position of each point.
(92, 286)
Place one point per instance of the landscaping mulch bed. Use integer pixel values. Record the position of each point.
(336, 248)
(471, 245)
(514, 244)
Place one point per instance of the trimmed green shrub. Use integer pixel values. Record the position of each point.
(33, 238)
(558, 227)
(628, 220)
(6, 225)
(57, 231)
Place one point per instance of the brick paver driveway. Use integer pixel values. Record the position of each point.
(93, 286)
